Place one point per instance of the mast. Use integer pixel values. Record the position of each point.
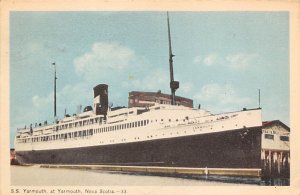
(54, 89)
(173, 84)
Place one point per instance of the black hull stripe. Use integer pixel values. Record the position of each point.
(228, 149)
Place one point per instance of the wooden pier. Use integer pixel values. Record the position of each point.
(165, 170)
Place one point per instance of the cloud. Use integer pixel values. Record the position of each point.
(186, 87)
(240, 61)
(221, 97)
(39, 101)
(210, 60)
(237, 61)
(103, 63)
(153, 81)
(198, 60)
(102, 57)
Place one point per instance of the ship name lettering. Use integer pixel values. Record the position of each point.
(34, 191)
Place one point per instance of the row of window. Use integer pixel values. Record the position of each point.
(282, 138)
(80, 123)
(122, 126)
(85, 132)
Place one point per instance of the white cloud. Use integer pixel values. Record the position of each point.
(39, 101)
(70, 96)
(186, 87)
(154, 80)
(221, 97)
(238, 61)
(102, 64)
(210, 60)
(198, 60)
(103, 57)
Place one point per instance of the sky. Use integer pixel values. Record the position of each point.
(221, 60)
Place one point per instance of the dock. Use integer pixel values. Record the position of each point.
(237, 172)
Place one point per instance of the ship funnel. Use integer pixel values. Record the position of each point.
(101, 99)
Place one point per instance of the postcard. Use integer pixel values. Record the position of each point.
(127, 97)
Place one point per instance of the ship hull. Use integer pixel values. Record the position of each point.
(228, 149)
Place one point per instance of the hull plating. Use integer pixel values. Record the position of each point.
(230, 149)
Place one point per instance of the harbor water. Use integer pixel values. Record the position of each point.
(37, 176)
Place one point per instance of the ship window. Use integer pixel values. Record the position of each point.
(162, 120)
(135, 124)
(284, 138)
(139, 123)
(269, 136)
(169, 120)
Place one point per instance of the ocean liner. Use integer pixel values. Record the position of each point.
(161, 134)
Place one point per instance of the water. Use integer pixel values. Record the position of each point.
(36, 176)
